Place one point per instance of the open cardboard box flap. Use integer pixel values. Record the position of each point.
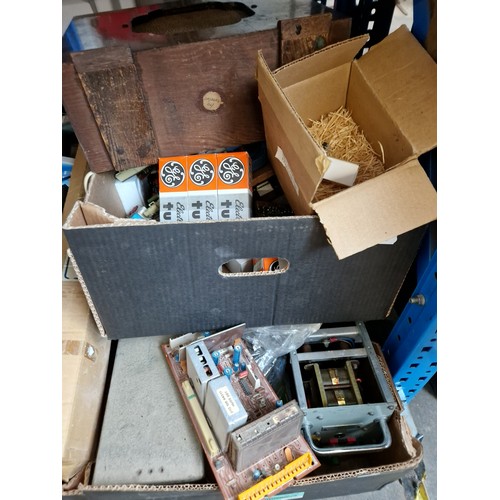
(391, 92)
(403, 76)
(406, 191)
(318, 62)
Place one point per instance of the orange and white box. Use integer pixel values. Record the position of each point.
(234, 185)
(173, 189)
(266, 264)
(202, 187)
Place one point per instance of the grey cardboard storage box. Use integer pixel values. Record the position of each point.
(148, 278)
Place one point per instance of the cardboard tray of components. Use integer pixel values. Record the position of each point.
(350, 475)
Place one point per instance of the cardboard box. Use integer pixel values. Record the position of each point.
(391, 93)
(234, 185)
(355, 474)
(202, 187)
(85, 356)
(173, 272)
(173, 189)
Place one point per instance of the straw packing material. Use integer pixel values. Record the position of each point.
(339, 135)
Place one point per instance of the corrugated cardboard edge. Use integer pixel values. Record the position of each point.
(147, 488)
(412, 445)
(86, 292)
(268, 87)
(102, 218)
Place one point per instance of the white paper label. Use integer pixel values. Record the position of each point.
(282, 159)
(390, 241)
(340, 171)
(227, 400)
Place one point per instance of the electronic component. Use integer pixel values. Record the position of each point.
(253, 378)
(268, 446)
(265, 435)
(200, 418)
(236, 356)
(200, 368)
(342, 390)
(181, 341)
(215, 357)
(223, 409)
(269, 484)
(332, 386)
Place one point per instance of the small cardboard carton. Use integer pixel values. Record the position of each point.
(234, 185)
(85, 356)
(202, 187)
(173, 189)
(391, 94)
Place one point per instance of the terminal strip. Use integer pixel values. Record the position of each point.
(278, 480)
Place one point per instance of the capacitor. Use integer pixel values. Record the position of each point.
(243, 366)
(228, 372)
(256, 474)
(279, 403)
(236, 354)
(215, 357)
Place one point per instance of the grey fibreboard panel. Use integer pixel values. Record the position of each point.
(146, 436)
(163, 278)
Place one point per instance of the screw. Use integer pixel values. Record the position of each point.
(418, 299)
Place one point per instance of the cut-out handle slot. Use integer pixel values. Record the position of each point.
(254, 266)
